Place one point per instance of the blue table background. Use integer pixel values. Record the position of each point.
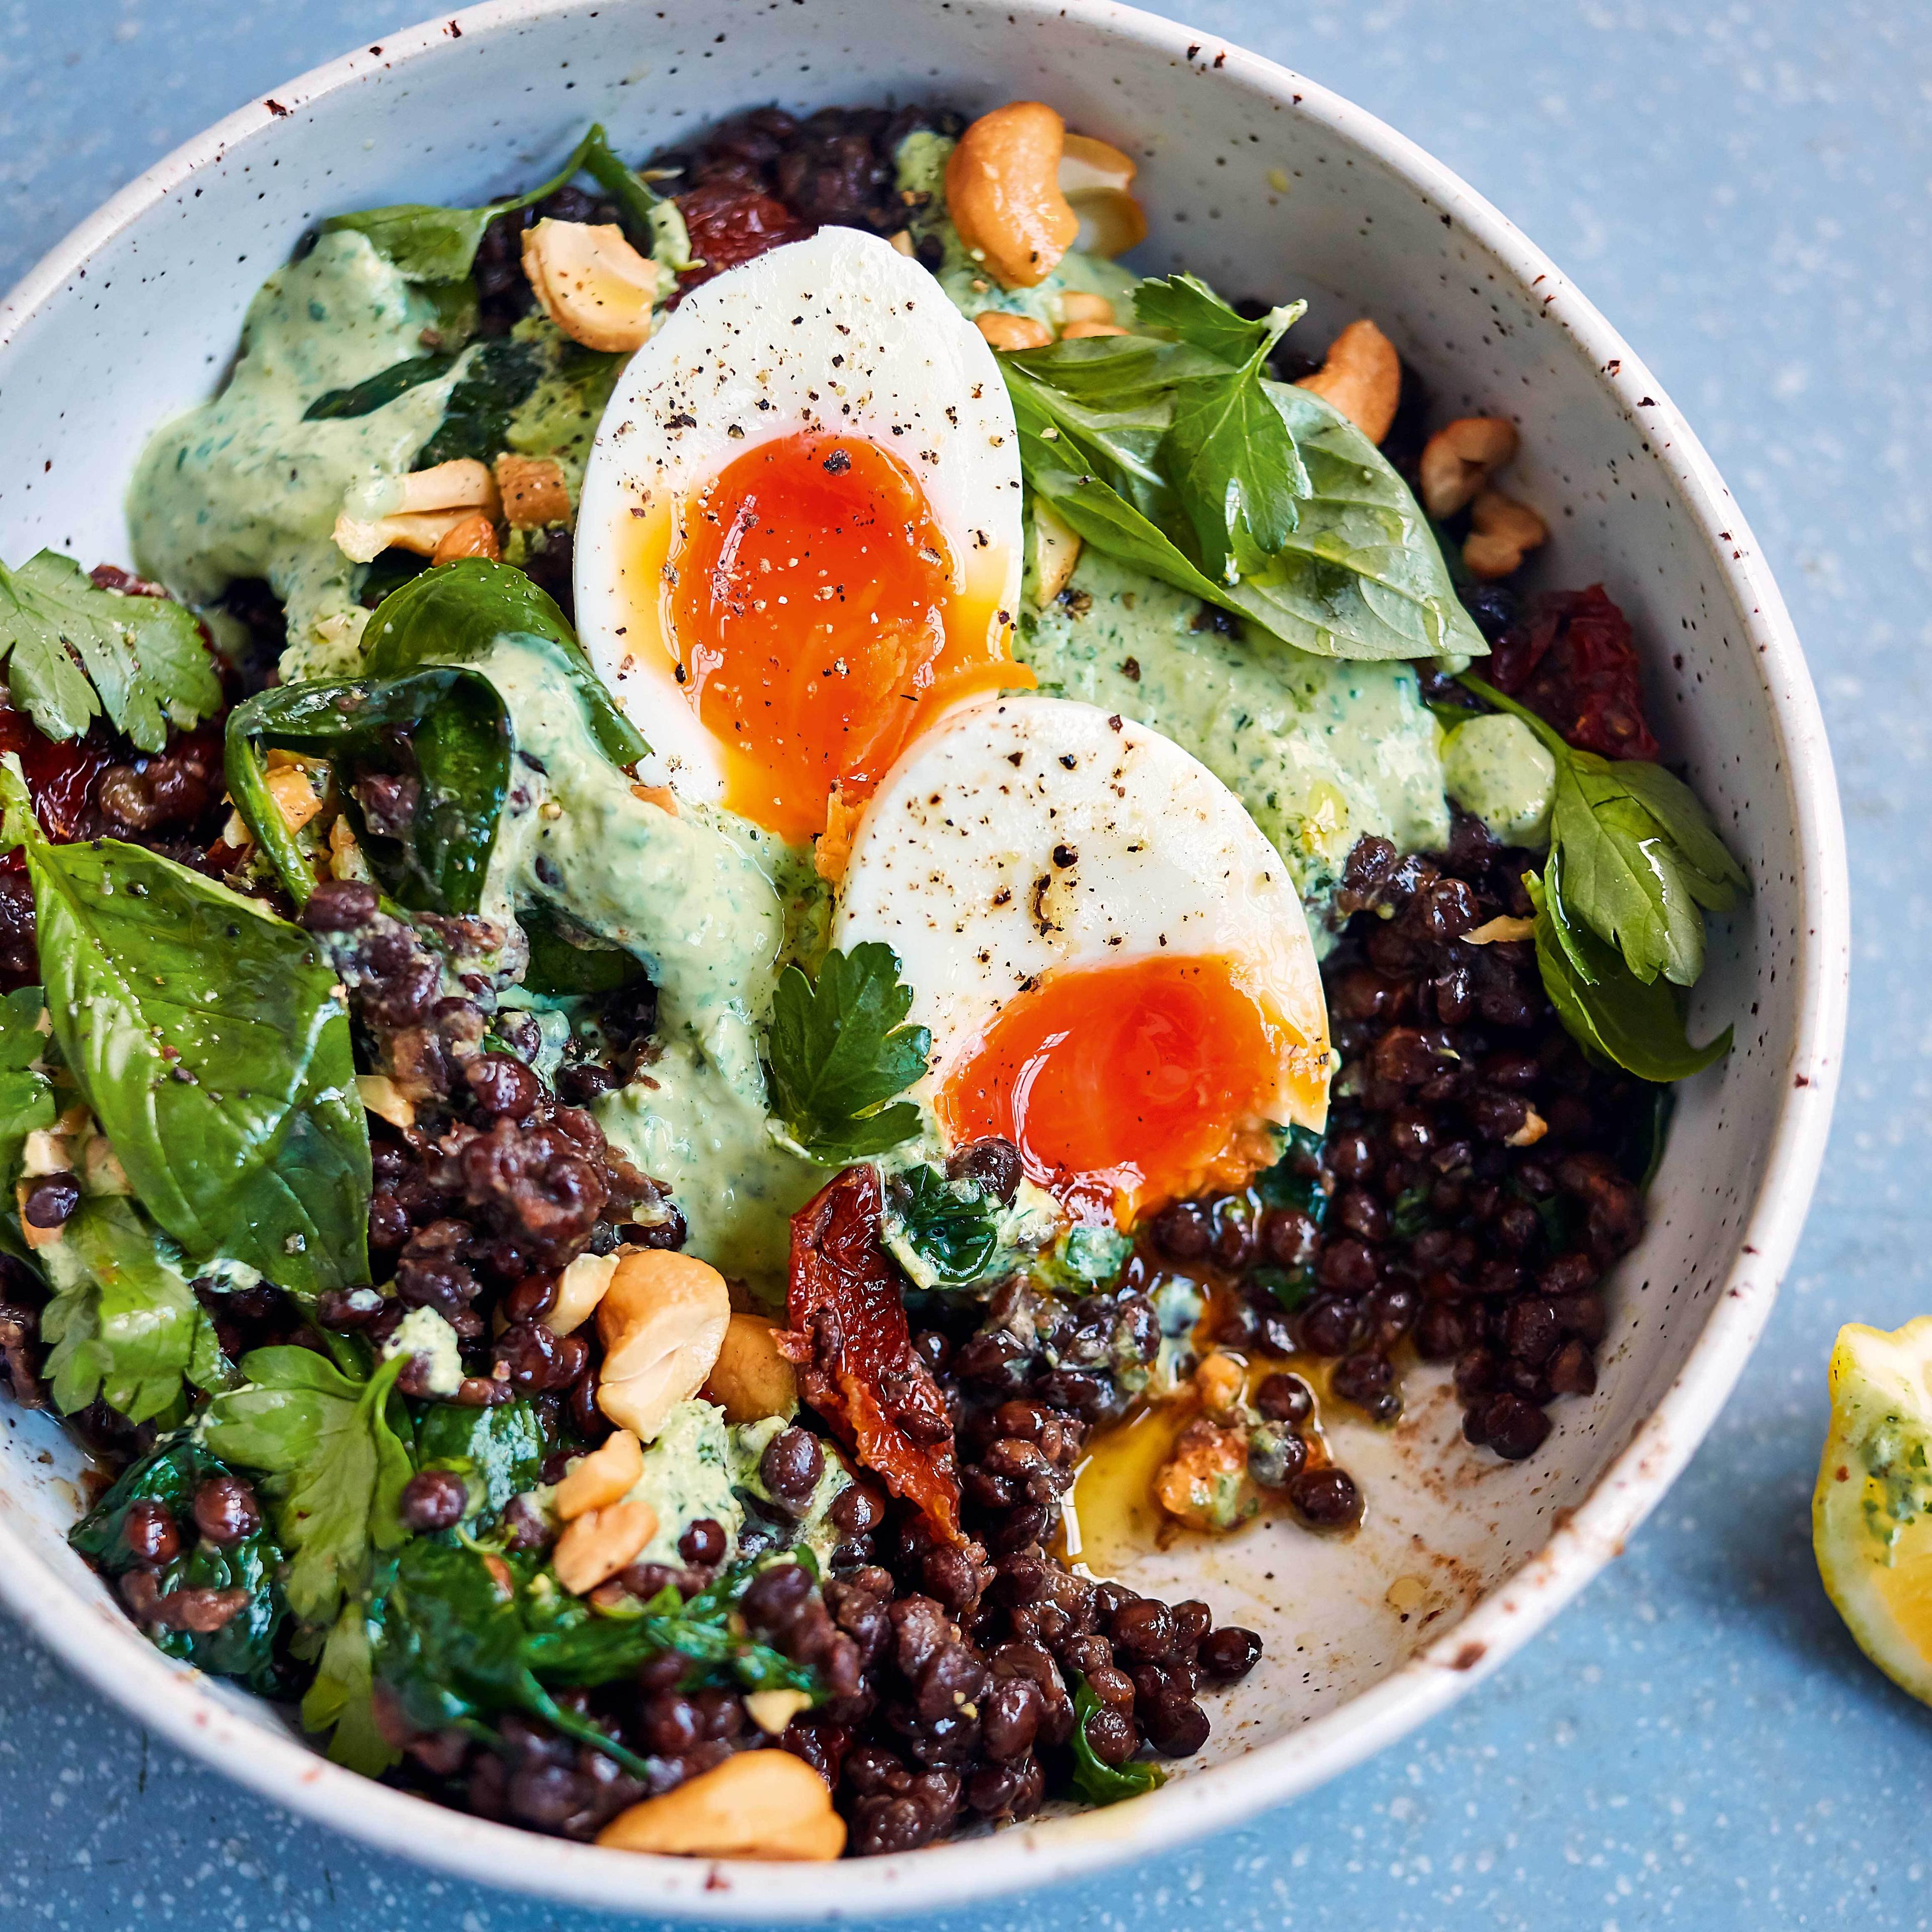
(1745, 189)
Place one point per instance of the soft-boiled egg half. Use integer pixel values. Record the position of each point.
(798, 538)
(1111, 958)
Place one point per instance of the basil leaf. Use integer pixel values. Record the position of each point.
(499, 376)
(454, 615)
(1095, 1781)
(1361, 576)
(1636, 1025)
(26, 1096)
(949, 1226)
(369, 395)
(449, 723)
(207, 1039)
(73, 650)
(1713, 878)
(838, 1050)
(332, 1464)
(124, 1324)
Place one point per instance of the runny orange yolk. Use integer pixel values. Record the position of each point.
(817, 620)
(1122, 1086)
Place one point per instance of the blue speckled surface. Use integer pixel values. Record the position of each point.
(1745, 189)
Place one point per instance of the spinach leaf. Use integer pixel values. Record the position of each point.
(466, 1636)
(501, 1449)
(1641, 861)
(245, 1646)
(453, 615)
(1096, 1782)
(449, 723)
(559, 967)
(839, 1050)
(1290, 1286)
(430, 244)
(950, 1227)
(475, 423)
(332, 1461)
(73, 649)
(208, 1041)
(1296, 1180)
(339, 1699)
(1632, 1023)
(371, 393)
(123, 1323)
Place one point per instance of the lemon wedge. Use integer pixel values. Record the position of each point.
(1871, 1514)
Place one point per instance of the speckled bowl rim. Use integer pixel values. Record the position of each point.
(94, 1641)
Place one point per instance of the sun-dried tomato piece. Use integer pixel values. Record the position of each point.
(854, 1346)
(1570, 658)
(728, 223)
(60, 775)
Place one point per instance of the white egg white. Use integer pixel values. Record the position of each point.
(1024, 833)
(839, 333)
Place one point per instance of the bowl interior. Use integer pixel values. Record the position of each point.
(1264, 185)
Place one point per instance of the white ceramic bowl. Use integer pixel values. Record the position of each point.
(1263, 183)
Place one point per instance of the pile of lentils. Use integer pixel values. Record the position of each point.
(1481, 1176)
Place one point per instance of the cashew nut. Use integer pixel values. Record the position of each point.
(580, 1289)
(1362, 379)
(1078, 332)
(1056, 550)
(591, 282)
(1502, 531)
(1533, 1128)
(1012, 331)
(1095, 177)
(1003, 192)
(387, 1101)
(472, 534)
(1219, 1381)
(663, 1322)
(600, 1542)
(1205, 1482)
(363, 539)
(462, 483)
(1457, 461)
(771, 1711)
(534, 492)
(756, 1805)
(751, 1379)
(607, 1475)
(1077, 305)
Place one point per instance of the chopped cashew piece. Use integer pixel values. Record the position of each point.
(756, 1805)
(1056, 550)
(663, 1322)
(591, 282)
(472, 534)
(750, 1378)
(294, 797)
(1501, 930)
(386, 1100)
(462, 483)
(1531, 1131)
(1362, 378)
(34, 1237)
(363, 540)
(1096, 179)
(1502, 533)
(1077, 306)
(1205, 1482)
(607, 1475)
(534, 491)
(903, 242)
(1219, 1381)
(1457, 461)
(834, 846)
(1003, 192)
(1012, 331)
(771, 1711)
(580, 1289)
(594, 1548)
(1078, 332)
